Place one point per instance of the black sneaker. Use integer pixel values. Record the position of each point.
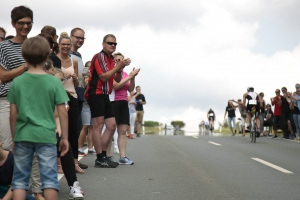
(138, 135)
(275, 136)
(82, 166)
(105, 163)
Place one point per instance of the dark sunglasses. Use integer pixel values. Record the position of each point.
(297, 86)
(277, 92)
(111, 43)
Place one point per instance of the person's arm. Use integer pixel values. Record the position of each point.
(58, 128)
(63, 119)
(6, 75)
(143, 100)
(13, 122)
(272, 101)
(8, 195)
(119, 85)
(294, 96)
(225, 113)
(120, 65)
(75, 75)
(269, 117)
(244, 99)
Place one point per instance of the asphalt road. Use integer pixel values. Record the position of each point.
(197, 167)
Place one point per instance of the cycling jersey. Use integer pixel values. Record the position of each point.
(253, 104)
(211, 116)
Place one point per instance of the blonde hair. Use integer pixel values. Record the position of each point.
(118, 54)
(64, 35)
(58, 71)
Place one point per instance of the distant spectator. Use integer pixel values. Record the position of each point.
(52, 31)
(268, 119)
(2, 34)
(262, 111)
(231, 117)
(140, 100)
(296, 111)
(242, 110)
(286, 115)
(276, 101)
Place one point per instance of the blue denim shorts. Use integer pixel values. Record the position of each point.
(47, 159)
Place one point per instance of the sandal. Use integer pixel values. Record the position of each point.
(59, 169)
(78, 169)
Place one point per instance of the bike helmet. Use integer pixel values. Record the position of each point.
(249, 88)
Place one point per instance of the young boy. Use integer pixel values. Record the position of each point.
(33, 97)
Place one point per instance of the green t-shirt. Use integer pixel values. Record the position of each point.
(35, 96)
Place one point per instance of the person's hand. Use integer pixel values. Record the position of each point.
(124, 62)
(63, 147)
(74, 76)
(67, 75)
(134, 72)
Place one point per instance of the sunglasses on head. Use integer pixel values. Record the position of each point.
(111, 43)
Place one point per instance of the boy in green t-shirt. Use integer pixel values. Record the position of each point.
(33, 97)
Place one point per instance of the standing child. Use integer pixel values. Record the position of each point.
(32, 102)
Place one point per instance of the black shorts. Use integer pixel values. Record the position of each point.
(276, 122)
(121, 111)
(257, 108)
(211, 118)
(100, 106)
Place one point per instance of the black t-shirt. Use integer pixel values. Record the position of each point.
(139, 107)
(6, 170)
(285, 107)
(231, 111)
(262, 109)
(56, 61)
(267, 112)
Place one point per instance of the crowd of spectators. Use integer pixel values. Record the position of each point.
(50, 104)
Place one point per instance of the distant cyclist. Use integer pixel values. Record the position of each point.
(211, 118)
(253, 106)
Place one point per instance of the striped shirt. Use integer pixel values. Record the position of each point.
(101, 63)
(10, 58)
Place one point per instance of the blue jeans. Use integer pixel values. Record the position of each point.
(231, 121)
(296, 119)
(23, 157)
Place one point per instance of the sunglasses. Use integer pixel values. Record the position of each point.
(277, 92)
(297, 86)
(111, 43)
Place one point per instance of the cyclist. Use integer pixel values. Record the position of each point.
(253, 107)
(211, 118)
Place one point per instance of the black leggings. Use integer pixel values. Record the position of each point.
(73, 125)
(67, 163)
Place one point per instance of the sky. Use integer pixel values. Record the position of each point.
(194, 55)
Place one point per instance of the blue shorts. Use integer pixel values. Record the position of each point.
(23, 157)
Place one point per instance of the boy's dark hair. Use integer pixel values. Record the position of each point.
(49, 30)
(137, 87)
(35, 50)
(21, 12)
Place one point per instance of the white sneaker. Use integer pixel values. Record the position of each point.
(75, 192)
(116, 150)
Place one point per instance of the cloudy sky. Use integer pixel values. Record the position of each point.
(194, 55)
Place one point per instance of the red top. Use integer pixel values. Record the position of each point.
(100, 64)
(277, 109)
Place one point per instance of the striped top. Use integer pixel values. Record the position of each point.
(101, 63)
(10, 58)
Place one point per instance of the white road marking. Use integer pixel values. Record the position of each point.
(214, 143)
(195, 136)
(60, 176)
(273, 166)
